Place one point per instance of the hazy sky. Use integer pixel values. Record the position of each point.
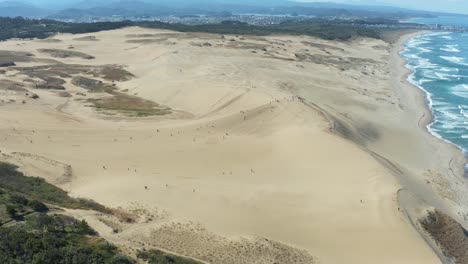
(456, 6)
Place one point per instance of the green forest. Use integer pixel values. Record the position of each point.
(322, 28)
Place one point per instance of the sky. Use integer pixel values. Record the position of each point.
(455, 6)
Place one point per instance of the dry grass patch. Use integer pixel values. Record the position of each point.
(87, 38)
(12, 86)
(58, 53)
(107, 72)
(129, 105)
(115, 73)
(9, 58)
(92, 85)
(449, 235)
(146, 41)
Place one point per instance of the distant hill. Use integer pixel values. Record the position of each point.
(127, 8)
(124, 8)
(79, 9)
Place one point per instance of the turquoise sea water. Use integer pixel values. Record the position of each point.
(439, 62)
(458, 21)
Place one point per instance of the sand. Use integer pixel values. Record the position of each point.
(279, 149)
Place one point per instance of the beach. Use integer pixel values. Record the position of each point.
(286, 149)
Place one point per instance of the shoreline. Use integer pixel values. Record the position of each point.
(414, 202)
(428, 118)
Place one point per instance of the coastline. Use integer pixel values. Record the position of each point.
(457, 166)
(427, 117)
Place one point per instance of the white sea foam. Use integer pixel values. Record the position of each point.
(451, 48)
(446, 69)
(424, 50)
(442, 104)
(464, 86)
(437, 34)
(423, 81)
(463, 111)
(422, 63)
(456, 60)
(413, 43)
(434, 75)
(451, 116)
(460, 90)
(443, 76)
(447, 37)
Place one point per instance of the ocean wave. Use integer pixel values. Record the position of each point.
(437, 34)
(447, 69)
(456, 60)
(414, 43)
(424, 50)
(463, 111)
(449, 125)
(421, 63)
(464, 86)
(442, 104)
(451, 48)
(435, 75)
(452, 116)
(460, 90)
(446, 37)
(423, 81)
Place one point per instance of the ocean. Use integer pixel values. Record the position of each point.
(457, 21)
(439, 62)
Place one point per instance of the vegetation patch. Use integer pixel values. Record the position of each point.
(56, 239)
(52, 76)
(146, 41)
(16, 207)
(92, 85)
(126, 104)
(8, 58)
(158, 257)
(57, 53)
(107, 72)
(29, 235)
(129, 105)
(337, 29)
(115, 73)
(87, 38)
(449, 235)
(38, 189)
(12, 86)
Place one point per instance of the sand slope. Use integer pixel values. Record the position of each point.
(246, 168)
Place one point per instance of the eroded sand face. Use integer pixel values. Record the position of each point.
(244, 168)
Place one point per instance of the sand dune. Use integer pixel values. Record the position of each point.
(282, 149)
